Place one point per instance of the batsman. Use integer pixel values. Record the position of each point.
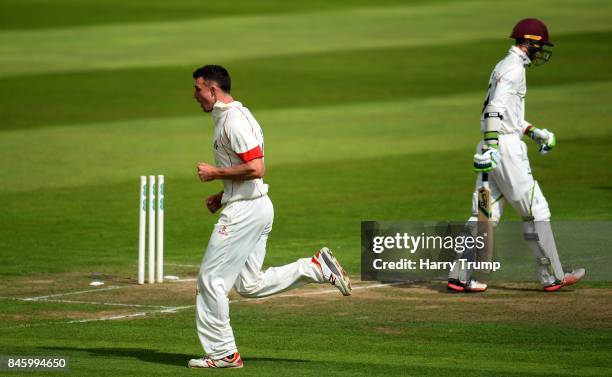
(503, 165)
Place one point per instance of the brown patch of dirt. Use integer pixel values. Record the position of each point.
(428, 307)
(59, 315)
(508, 303)
(386, 330)
(48, 281)
(30, 286)
(166, 294)
(577, 308)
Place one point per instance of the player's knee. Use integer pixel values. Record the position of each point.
(543, 215)
(539, 205)
(206, 284)
(540, 211)
(245, 292)
(248, 289)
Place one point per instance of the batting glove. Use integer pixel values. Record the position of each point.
(543, 137)
(487, 161)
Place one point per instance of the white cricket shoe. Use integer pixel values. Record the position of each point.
(472, 286)
(332, 271)
(573, 276)
(231, 361)
(475, 286)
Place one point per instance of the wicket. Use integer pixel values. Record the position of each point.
(155, 205)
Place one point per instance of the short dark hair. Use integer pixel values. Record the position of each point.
(217, 74)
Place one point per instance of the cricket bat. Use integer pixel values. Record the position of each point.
(485, 221)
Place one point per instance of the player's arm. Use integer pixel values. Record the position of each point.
(241, 139)
(494, 108)
(251, 169)
(506, 87)
(489, 158)
(543, 137)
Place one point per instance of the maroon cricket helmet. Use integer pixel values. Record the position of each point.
(531, 29)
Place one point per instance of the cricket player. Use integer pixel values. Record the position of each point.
(237, 246)
(503, 156)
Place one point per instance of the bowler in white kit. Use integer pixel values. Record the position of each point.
(503, 155)
(237, 246)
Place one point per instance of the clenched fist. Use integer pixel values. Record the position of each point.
(206, 172)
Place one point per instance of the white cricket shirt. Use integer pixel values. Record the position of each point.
(507, 90)
(238, 139)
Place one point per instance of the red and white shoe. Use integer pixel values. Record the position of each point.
(570, 278)
(232, 361)
(332, 271)
(459, 286)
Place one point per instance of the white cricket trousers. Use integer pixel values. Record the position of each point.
(512, 182)
(234, 258)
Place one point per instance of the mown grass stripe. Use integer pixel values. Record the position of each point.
(172, 43)
(352, 132)
(41, 14)
(367, 76)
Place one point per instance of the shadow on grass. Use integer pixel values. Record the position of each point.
(433, 285)
(154, 356)
(440, 287)
(603, 188)
(143, 354)
(270, 366)
(564, 290)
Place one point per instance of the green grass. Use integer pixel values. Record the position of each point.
(384, 74)
(40, 14)
(370, 113)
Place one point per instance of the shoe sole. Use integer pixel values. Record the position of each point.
(475, 290)
(229, 365)
(552, 288)
(195, 367)
(455, 287)
(343, 279)
(566, 283)
(215, 367)
(556, 287)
